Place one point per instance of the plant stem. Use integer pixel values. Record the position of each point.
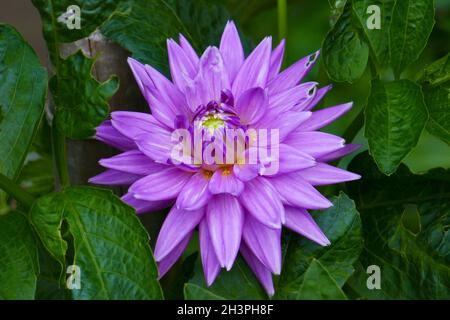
(16, 191)
(60, 155)
(282, 19)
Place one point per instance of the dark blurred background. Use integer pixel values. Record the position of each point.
(308, 24)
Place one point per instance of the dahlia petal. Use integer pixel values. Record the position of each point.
(133, 161)
(225, 222)
(276, 60)
(210, 263)
(261, 200)
(231, 50)
(195, 93)
(251, 105)
(295, 191)
(141, 76)
(161, 109)
(109, 135)
(262, 273)
(264, 242)
(224, 181)
(323, 117)
(285, 122)
(296, 97)
(141, 123)
(314, 143)
(142, 206)
(188, 50)
(300, 221)
(292, 159)
(292, 75)
(255, 69)
(347, 149)
(162, 185)
(114, 178)
(214, 76)
(155, 145)
(177, 225)
(166, 263)
(318, 97)
(245, 172)
(165, 99)
(195, 193)
(180, 65)
(324, 174)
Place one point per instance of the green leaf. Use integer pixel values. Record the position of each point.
(336, 8)
(377, 38)
(237, 284)
(142, 27)
(37, 175)
(395, 118)
(19, 265)
(318, 284)
(50, 284)
(345, 53)
(110, 244)
(411, 25)
(81, 101)
(92, 14)
(23, 86)
(437, 100)
(195, 292)
(342, 225)
(435, 81)
(437, 73)
(413, 265)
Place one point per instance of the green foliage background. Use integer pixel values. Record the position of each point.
(396, 217)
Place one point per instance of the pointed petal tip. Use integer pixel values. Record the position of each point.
(171, 43)
(183, 40)
(230, 24)
(266, 41)
(313, 58)
(103, 161)
(132, 62)
(356, 176)
(345, 107)
(328, 204)
(157, 255)
(323, 241)
(210, 281)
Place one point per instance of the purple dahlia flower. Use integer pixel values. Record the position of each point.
(237, 206)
